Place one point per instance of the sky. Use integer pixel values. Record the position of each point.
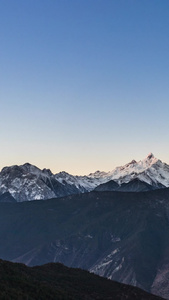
(84, 84)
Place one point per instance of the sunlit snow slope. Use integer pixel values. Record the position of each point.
(27, 182)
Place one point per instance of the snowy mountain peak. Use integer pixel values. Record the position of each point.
(149, 170)
(150, 155)
(28, 168)
(47, 172)
(148, 161)
(28, 182)
(130, 164)
(97, 174)
(133, 162)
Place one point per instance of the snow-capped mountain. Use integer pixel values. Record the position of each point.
(27, 182)
(149, 170)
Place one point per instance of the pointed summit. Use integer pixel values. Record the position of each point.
(150, 155)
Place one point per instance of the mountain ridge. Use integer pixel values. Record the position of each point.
(27, 182)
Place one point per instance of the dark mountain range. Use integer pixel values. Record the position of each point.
(135, 185)
(121, 236)
(108, 186)
(55, 281)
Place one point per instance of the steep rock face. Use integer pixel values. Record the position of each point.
(122, 236)
(82, 183)
(27, 182)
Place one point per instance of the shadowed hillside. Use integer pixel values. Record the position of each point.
(55, 281)
(121, 236)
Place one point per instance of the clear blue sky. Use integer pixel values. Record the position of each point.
(84, 84)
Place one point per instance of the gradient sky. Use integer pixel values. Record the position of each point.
(84, 84)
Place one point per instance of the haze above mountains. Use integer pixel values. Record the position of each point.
(27, 182)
